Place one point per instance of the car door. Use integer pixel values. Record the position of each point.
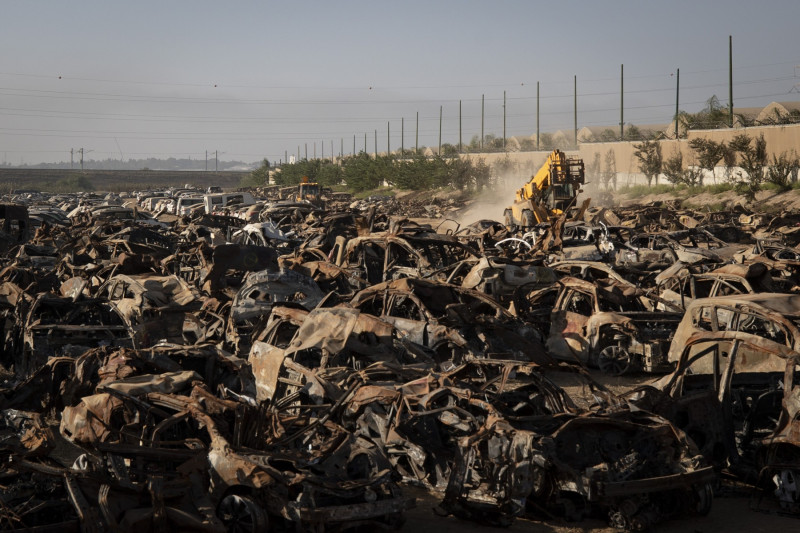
(406, 314)
(567, 338)
(698, 391)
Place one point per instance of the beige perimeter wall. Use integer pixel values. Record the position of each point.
(779, 139)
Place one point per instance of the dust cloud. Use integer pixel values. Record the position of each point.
(493, 201)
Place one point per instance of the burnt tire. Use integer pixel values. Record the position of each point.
(508, 219)
(240, 514)
(704, 495)
(527, 219)
(614, 360)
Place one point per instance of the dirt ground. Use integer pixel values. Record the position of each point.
(765, 200)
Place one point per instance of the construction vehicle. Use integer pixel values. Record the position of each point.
(549, 193)
(308, 191)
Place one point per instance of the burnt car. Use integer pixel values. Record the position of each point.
(610, 325)
(384, 257)
(770, 317)
(325, 338)
(259, 293)
(680, 285)
(56, 326)
(690, 246)
(458, 324)
(735, 395)
(153, 307)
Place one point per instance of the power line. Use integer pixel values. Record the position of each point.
(100, 96)
(373, 87)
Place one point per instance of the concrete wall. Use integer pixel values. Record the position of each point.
(779, 139)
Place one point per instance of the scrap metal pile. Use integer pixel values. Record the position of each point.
(288, 367)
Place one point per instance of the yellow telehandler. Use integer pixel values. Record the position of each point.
(549, 193)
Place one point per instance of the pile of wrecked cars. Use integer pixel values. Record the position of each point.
(287, 366)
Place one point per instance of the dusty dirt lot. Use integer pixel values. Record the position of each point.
(769, 200)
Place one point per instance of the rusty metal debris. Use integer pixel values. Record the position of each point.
(288, 365)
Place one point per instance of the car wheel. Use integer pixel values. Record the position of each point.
(527, 219)
(240, 514)
(614, 360)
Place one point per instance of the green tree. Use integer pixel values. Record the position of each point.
(505, 168)
(449, 150)
(293, 173)
(329, 174)
(708, 154)
(546, 142)
(608, 135)
(751, 158)
(610, 170)
(633, 133)
(363, 172)
(492, 143)
(482, 175)
(257, 178)
(650, 160)
(713, 116)
(783, 169)
(675, 173)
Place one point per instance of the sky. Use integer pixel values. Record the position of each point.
(266, 79)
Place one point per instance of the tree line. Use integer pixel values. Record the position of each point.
(364, 172)
(745, 159)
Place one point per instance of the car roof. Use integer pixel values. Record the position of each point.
(784, 304)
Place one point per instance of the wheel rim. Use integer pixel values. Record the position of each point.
(240, 514)
(614, 360)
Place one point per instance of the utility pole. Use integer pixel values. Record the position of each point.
(71, 156)
(298, 152)
(365, 143)
(216, 160)
(440, 131)
(81, 152)
(730, 81)
(286, 156)
(354, 144)
(677, 100)
(575, 106)
(483, 96)
(621, 103)
(504, 121)
(459, 126)
(537, 116)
